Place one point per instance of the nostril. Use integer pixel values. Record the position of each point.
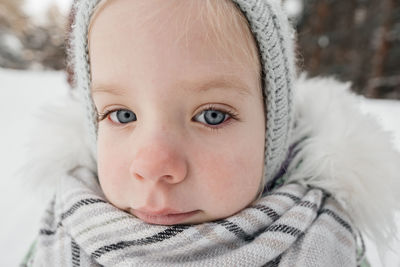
(156, 163)
(168, 177)
(138, 176)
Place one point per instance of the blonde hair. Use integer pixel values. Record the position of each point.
(232, 30)
(229, 26)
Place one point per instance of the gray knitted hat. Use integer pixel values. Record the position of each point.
(274, 37)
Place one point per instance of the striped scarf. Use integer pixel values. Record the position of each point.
(292, 225)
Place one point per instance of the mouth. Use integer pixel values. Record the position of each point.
(163, 217)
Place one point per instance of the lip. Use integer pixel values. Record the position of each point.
(164, 216)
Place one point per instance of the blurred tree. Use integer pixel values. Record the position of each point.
(25, 45)
(356, 40)
(46, 42)
(13, 23)
(12, 16)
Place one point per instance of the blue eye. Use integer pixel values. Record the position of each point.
(212, 117)
(122, 116)
(208, 116)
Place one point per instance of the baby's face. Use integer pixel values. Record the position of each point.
(181, 138)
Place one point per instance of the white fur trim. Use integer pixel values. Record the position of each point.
(348, 154)
(58, 144)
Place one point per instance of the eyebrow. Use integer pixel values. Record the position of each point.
(188, 86)
(219, 83)
(108, 90)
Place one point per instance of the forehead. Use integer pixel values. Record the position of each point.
(164, 38)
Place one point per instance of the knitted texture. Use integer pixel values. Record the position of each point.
(274, 37)
(293, 225)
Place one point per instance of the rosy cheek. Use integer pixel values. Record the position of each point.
(112, 174)
(229, 180)
(217, 177)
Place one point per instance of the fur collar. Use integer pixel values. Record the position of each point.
(347, 154)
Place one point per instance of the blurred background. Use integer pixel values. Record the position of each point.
(356, 40)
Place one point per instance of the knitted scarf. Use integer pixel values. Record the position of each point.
(292, 225)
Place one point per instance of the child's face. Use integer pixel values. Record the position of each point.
(161, 148)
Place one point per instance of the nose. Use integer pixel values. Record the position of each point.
(158, 160)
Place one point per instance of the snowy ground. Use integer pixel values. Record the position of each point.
(21, 94)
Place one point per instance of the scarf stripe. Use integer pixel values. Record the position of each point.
(275, 262)
(159, 237)
(308, 204)
(81, 203)
(267, 210)
(75, 254)
(292, 197)
(233, 228)
(46, 232)
(69, 212)
(286, 229)
(280, 229)
(337, 218)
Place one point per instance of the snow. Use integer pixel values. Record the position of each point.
(22, 94)
(293, 8)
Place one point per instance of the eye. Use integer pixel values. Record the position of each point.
(212, 116)
(122, 116)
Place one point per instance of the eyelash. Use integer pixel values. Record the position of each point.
(231, 113)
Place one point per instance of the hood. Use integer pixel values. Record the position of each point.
(346, 153)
